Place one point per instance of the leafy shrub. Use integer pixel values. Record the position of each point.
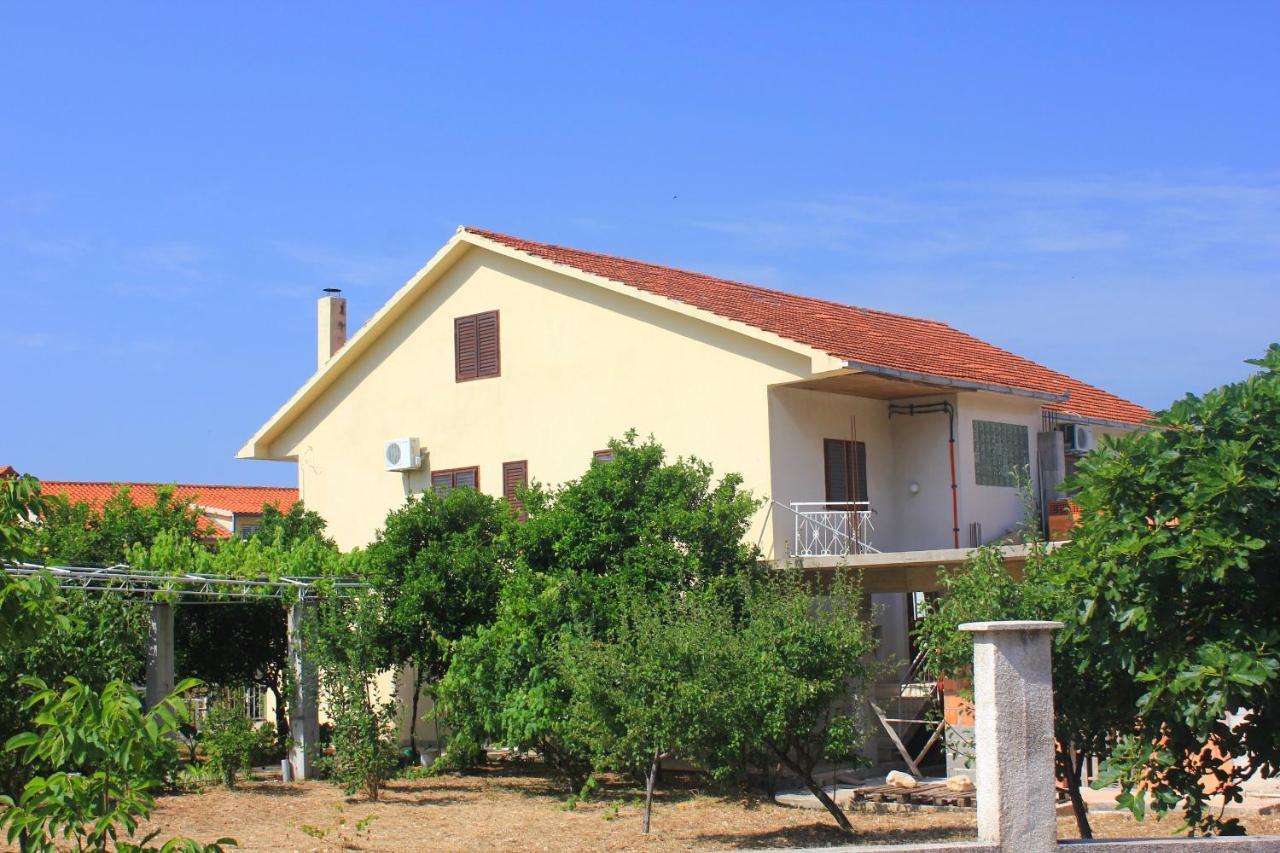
(229, 738)
(102, 751)
(344, 642)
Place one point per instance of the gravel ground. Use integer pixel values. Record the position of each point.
(516, 807)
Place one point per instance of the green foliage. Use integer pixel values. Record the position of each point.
(255, 629)
(638, 525)
(104, 756)
(284, 530)
(983, 591)
(437, 565)
(20, 503)
(78, 534)
(229, 737)
(801, 657)
(344, 642)
(347, 835)
(645, 690)
(30, 609)
(1089, 707)
(1176, 566)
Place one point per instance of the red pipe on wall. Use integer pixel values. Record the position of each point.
(955, 507)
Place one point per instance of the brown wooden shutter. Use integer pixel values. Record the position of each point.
(836, 469)
(858, 459)
(488, 357)
(845, 469)
(453, 478)
(464, 348)
(514, 475)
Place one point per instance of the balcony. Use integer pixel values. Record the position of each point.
(826, 529)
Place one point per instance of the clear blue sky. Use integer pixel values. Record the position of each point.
(1096, 186)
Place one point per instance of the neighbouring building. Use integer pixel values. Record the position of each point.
(879, 440)
(225, 511)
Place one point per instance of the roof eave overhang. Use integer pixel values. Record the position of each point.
(259, 446)
(948, 382)
(1067, 417)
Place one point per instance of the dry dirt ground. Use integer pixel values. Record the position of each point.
(516, 807)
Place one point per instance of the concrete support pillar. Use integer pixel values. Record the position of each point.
(304, 719)
(159, 653)
(1013, 716)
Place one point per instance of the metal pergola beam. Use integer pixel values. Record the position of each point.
(162, 590)
(147, 585)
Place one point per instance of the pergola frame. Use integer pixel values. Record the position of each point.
(162, 590)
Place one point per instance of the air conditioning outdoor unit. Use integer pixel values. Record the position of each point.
(401, 454)
(1078, 438)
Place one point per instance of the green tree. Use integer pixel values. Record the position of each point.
(21, 503)
(228, 736)
(344, 642)
(802, 656)
(437, 565)
(75, 533)
(656, 687)
(638, 525)
(1176, 568)
(286, 529)
(255, 629)
(105, 758)
(1089, 709)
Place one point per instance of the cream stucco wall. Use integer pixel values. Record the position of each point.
(580, 365)
(998, 509)
(799, 420)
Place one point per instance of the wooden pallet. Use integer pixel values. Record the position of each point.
(922, 795)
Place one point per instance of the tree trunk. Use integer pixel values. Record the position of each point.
(648, 789)
(413, 714)
(282, 719)
(1070, 768)
(818, 791)
(1077, 800)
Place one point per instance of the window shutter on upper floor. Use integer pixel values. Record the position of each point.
(488, 360)
(464, 347)
(476, 348)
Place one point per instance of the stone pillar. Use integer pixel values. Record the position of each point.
(159, 653)
(304, 718)
(1013, 717)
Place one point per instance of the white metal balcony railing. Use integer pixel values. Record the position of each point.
(831, 529)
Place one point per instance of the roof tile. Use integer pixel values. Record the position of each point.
(864, 335)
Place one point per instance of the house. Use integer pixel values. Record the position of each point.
(880, 441)
(505, 359)
(225, 511)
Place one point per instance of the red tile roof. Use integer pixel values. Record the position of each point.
(876, 338)
(246, 500)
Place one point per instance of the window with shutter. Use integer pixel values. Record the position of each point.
(602, 456)
(845, 465)
(514, 475)
(475, 346)
(455, 478)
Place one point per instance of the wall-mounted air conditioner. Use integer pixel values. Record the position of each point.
(401, 454)
(1078, 438)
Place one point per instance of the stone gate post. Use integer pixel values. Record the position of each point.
(1013, 710)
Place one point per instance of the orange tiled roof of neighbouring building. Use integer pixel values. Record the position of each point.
(866, 336)
(246, 500)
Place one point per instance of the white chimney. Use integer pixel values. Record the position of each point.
(331, 330)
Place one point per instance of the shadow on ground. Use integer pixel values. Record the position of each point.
(825, 834)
